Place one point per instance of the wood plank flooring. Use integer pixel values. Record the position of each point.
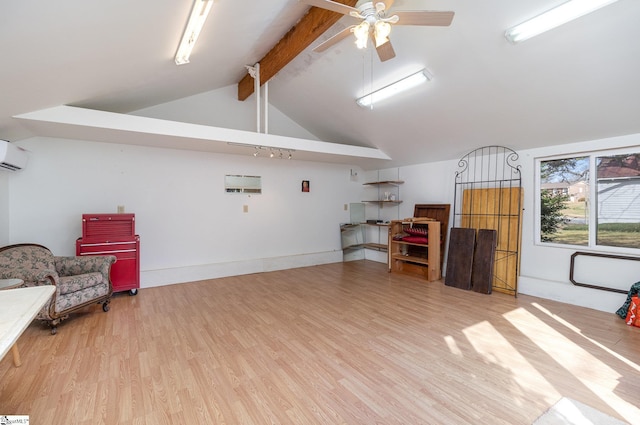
(344, 343)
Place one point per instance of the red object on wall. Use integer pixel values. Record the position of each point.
(113, 234)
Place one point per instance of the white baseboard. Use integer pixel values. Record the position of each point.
(568, 293)
(170, 276)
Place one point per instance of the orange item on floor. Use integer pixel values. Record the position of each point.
(633, 314)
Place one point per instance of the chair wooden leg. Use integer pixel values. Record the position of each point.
(16, 355)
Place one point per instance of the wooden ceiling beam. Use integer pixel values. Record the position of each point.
(306, 31)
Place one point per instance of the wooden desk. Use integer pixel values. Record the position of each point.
(18, 308)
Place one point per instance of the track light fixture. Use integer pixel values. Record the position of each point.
(272, 150)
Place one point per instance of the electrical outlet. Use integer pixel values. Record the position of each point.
(245, 208)
(120, 209)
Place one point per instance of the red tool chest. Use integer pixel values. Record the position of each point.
(113, 234)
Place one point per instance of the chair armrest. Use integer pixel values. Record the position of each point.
(31, 277)
(72, 266)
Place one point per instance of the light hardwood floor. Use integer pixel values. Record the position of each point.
(343, 343)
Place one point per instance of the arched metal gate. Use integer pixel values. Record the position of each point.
(489, 195)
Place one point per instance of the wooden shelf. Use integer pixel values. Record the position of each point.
(386, 193)
(415, 258)
(391, 182)
(410, 244)
(353, 247)
(439, 212)
(376, 246)
(382, 202)
(410, 258)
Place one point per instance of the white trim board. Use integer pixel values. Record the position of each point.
(88, 124)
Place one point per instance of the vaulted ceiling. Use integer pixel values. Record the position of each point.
(574, 83)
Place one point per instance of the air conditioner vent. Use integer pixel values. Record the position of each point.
(10, 167)
(12, 158)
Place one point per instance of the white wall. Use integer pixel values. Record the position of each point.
(544, 270)
(221, 108)
(190, 228)
(4, 208)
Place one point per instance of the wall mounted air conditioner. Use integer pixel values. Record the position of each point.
(12, 157)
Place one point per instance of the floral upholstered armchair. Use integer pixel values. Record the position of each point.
(79, 281)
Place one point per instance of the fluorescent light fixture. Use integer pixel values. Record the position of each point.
(550, 19)
(199, 14)
(392, 89)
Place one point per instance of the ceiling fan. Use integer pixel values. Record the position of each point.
(375, 23)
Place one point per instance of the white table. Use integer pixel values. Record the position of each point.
(18, 308)
(10, 283)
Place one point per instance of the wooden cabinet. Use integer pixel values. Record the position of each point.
(438, 212)
(418, 255)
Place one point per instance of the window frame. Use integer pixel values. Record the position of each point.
(593, 205)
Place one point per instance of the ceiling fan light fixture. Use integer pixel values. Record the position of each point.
(553, 18)
(361, 32)
(381, 32)
(199, 13)
(392, 89)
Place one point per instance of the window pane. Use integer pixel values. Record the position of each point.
(564, 201)
(618, 179)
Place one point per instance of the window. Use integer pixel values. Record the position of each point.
(590, 200)
(234, 183)
(618, 207)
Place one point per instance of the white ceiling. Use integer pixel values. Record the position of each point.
(577, 82)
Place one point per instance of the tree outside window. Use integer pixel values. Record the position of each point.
(564, 201)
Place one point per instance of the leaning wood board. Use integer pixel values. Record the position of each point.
(499, 209)
(483, 261)
(460, 257)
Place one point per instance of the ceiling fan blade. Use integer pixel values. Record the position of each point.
(424, 17)
(385, 51)
(335, 39)
(331, 5)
